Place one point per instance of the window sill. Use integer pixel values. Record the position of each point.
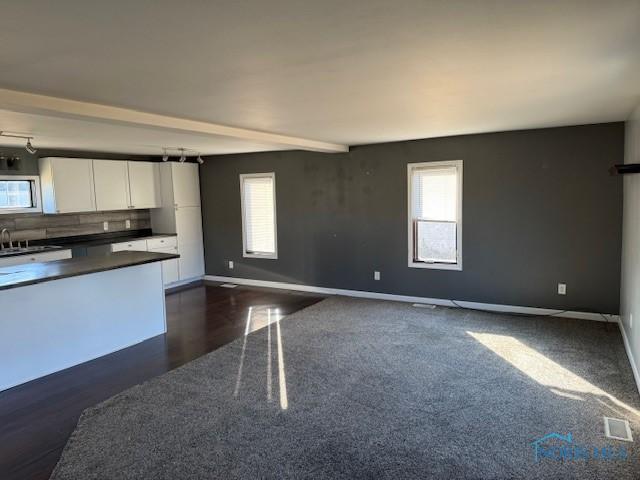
(273, 256)
(13, 211)
(436, 266)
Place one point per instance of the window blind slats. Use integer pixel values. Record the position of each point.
(259, 215)
(435, 194)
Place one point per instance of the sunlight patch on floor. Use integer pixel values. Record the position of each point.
(244, 348)
(273, 316)
(282, 378)
(545, 371)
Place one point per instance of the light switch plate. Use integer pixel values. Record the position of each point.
(562, 289)
(376, 275)
(127, 224)
(105, 226)
(230, 264)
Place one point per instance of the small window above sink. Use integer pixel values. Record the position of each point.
(19, 194)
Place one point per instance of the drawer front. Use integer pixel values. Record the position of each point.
(50, 256)
(35, 257)
(135, 245)
(161, 242)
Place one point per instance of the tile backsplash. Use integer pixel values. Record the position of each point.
(35, 226)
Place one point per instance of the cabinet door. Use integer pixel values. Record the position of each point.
(73, 185)
(186, 184)
(169, 267)
(189, 225)
(191, 261)
(111, 184)
(189, 230)
(144, 184)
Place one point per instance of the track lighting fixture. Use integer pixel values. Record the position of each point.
(165, 156)
(200, 160)
(28, 147)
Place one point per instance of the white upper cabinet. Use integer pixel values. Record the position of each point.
(144, 184)
(186, 184)
(72, 185)
(111, 185)
(67, 185)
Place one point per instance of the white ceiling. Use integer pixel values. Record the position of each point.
(356, 72)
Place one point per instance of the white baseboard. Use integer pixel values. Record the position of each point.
(604, 317)
(180, 283)
(627, 347)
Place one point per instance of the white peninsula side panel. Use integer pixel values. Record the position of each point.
(54, 325)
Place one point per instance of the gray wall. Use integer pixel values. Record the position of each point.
(539, 208)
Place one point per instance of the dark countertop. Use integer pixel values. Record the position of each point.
(101, 238)
(32, 273)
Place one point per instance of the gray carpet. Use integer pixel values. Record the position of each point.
(377, 390)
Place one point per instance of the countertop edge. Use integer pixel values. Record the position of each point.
(158, 257)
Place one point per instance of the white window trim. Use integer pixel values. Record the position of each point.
(436, 266)
(36, 194)
(245, 254)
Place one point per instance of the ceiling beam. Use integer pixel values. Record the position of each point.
(23, 102)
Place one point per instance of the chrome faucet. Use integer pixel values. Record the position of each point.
(2, 233)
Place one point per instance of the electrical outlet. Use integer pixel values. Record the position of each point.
(562, 289)
(376, 275)
(230, 264)
(127, 224)
(105, 226)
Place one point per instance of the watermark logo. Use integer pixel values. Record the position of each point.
(555, 446)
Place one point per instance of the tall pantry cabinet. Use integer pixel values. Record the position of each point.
(181, 214)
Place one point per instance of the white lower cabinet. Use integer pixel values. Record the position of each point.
(191, 264)
(35, 258)
(170, 272)
(164, 244)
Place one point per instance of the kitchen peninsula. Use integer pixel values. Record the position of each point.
(58, 314)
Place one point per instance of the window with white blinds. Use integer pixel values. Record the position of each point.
(259, 233)
(435, 214)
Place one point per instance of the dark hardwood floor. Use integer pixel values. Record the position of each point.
(37, 418)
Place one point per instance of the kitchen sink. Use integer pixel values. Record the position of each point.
(35, 249)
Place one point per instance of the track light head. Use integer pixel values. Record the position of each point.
(183, 157)
(200, 160)
(29, 148)
(165, 156)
